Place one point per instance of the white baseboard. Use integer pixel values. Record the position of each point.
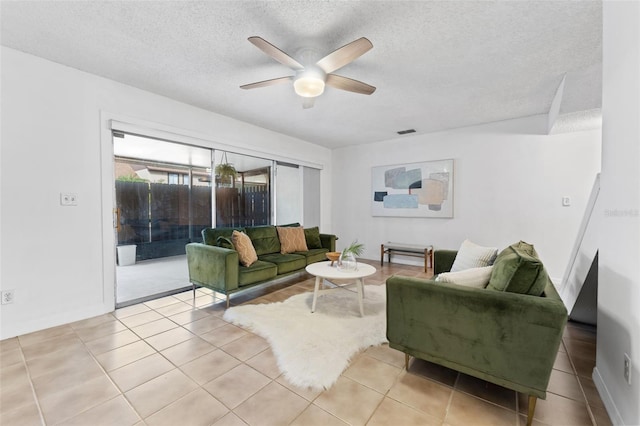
(13, 330)
(605, 396)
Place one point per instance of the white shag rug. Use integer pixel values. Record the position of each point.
(313, 349)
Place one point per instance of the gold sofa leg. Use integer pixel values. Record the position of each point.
(406, 361)
(227, 301)
(532, 408)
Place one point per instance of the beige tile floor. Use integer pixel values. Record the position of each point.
(174, 361)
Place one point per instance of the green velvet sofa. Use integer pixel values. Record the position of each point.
(504, 337)
(215, 264)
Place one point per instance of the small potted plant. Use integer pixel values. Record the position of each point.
(347, 261)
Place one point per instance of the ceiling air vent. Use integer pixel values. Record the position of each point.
(404, 132)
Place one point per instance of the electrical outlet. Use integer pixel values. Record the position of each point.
(7, 297)
(627, 368)
(566, 201)
(68, 199)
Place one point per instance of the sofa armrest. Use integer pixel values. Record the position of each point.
(443, 260)
(213, 267)
(506, 338)
(328, 241)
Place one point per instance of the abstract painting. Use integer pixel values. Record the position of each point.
(413, 190)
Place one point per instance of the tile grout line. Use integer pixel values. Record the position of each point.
(104, 371)
(175, 367)
(33, 389)
(453, 389)
(384, 395)
(518, 410)
(199, 386)
(584, 395)
(141, 339)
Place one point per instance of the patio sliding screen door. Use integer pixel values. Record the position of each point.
(289, 193)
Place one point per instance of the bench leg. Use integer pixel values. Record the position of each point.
(426, 258)
(532, 408)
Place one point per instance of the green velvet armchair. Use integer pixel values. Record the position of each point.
(505, 338)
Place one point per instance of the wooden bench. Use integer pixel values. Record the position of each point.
(415, 250)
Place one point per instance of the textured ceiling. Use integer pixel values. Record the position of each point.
(436, 65)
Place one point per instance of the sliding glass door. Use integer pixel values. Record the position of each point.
(163, 201)
(166, 193)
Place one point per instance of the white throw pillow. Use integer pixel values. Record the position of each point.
(472, 255)
(474, 277)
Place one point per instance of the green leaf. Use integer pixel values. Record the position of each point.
(356, 248)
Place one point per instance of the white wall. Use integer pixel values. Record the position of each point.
(509, 181)
(60, 260)
(619, 269)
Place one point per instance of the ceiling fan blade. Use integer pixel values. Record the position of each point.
(275, 53)
(266, 83)
(342, 56)
(308, 103)
(349, 84)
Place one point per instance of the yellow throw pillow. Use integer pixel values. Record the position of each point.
(243, 245)
(291, 239)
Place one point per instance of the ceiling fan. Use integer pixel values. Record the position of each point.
(310, 80)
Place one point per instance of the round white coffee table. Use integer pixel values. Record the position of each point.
(324, 271)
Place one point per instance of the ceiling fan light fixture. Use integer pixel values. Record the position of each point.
(310, 79)
(309, 83)
(309, 87)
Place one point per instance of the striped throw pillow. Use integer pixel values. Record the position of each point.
(472, 255)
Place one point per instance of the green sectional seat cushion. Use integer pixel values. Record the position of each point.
(220, 237)
(518, 269)
(264, 238)
(258, 272)
(314, 255)
(312, 235)
(285, 262)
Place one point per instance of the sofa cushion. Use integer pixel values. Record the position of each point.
(291, 239)
(473, 277)
(518, 269)
(242, 244)
(212, 236)
(285, 262)
(257, 272)
(312, 237)
(264, 238)
(472, 255)
(314, 255)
